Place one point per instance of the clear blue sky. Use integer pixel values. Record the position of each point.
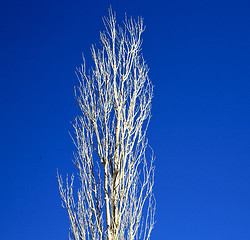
(199, 56)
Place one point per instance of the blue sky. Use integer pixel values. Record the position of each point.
(199, 55)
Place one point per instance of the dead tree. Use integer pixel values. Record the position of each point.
(114, 200)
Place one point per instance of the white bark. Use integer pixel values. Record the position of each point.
(115, 199)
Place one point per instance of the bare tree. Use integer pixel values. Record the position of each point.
(114, 199)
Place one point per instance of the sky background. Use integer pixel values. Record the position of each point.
(199, 55)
